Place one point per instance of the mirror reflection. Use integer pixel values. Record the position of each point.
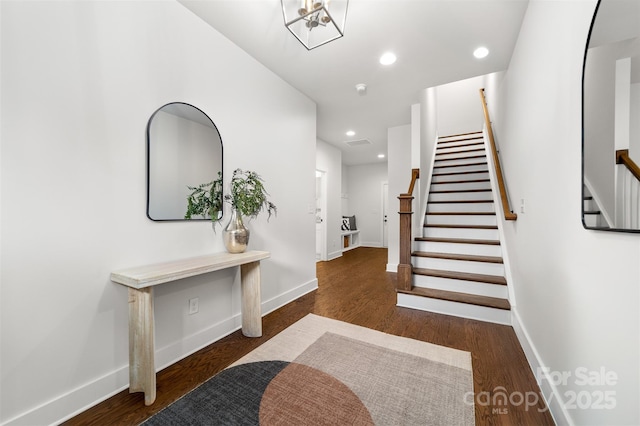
(611, 118)
(184, 149)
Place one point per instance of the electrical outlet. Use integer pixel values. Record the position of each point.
(193, 306)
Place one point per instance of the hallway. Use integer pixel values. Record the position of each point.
(355, 288)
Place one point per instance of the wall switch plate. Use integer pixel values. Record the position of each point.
(193, 306)
(522, 205)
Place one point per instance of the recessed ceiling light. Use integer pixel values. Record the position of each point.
(380, 155)
(481, 52)
(388, 58)
(351, 133)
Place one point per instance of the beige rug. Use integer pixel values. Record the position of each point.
(321, 371)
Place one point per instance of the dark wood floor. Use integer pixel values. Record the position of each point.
(355, 288)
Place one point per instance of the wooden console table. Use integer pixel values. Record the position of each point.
(141, 280)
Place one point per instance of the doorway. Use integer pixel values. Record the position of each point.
(321, 215)
(385, 214)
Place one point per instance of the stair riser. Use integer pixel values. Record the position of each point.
(483, 268)
(465, 186)
(475, 168)
(456, 196)
(470, 233)
(460, 219)
(459, 286)
(463, 310)
(457, 248)
(460, 162)
(594, 220)
(459, 154)
(459, 147)
(487, 207)
(470, 176)
(457, 141)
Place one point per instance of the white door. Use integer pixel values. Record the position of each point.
(321, 208)
(385, 212)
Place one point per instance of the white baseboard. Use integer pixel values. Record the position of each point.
(76, 401)
(334, 255)
(376, 244)
(550, 392)
(392, 267)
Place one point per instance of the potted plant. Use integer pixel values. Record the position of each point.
(206, 200)
(247, 197)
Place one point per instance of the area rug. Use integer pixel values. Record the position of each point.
(320, 371)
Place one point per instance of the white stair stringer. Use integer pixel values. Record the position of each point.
(457, 264)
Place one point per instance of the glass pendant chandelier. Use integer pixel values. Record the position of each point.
(315, 22)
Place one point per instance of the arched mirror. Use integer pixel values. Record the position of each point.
(611, 118)
(184, 149)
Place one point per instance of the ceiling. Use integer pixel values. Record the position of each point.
(432, 39)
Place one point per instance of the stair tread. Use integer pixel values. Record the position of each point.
(461, 145)
(459, 139)
(477, 132)
(471, 172)
(470, 299)
(460, 202)
(462, 213)
(461, 181)
(455, 256)
(466, 276)
(452, 191)
(592, 212)
(482, 163)
(458, 241)
(458, 226)
(462, 158)
(459, 152)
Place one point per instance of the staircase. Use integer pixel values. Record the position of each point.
(457, 264)
(593, 217)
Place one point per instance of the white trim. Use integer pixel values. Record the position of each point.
(427, 181)
(550, 392)
(497, 202)
(334, 255)
(392, 267)
(88, 395)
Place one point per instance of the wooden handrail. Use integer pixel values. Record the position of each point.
(415, 175)
(622, 157)
(508, 213)
(404, 262)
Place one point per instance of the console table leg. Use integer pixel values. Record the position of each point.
(142, 371)
(250, 289)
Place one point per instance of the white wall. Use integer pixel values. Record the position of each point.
(79, 82)
(399, 177)
(634, 131)
(577, 291)
(365, 200)
(329, 160)
(459, 107)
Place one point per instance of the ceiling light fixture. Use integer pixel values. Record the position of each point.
(351, 133)
(481, 52)
(388, 58)
(315, 22)
(380, 155)
(361, 88)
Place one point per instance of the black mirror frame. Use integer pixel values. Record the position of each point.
(584, 64)
(148, 171)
